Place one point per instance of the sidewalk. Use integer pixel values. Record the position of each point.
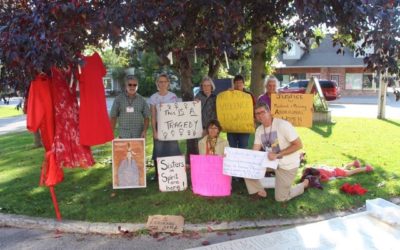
(368, 100)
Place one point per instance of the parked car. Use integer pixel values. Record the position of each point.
(330, 89)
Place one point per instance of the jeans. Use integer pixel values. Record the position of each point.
(238, 140)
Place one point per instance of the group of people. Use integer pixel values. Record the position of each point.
(277, 137)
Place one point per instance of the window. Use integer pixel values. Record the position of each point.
(369, 82)
(316, 76)
(335, 78)
(361, 81)
(107, 82)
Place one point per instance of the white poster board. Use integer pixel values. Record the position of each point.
(179, 121)
(172, 173)
(246, 163)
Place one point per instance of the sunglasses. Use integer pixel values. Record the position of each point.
(132, 85)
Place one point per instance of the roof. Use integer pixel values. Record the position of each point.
(324, 56)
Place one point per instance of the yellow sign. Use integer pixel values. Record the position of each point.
(235, 111)
(295, 108)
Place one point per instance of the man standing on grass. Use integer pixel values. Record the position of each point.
(280, 141)
(131, 111)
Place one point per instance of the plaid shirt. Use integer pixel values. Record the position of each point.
(130, 124)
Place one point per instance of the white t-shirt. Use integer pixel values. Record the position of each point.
(276, 138)
(156, 98)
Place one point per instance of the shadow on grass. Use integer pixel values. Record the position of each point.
(391, 122)
(324, 129)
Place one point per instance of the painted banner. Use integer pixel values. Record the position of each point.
(235, 111)
(178, 121)
(165, 223)
(246, 163)
(128, 163)
(207, 176)
(295, 108)
(172, 173)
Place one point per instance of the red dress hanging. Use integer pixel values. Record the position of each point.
(40, 117)
(69, 152)
(94, 124)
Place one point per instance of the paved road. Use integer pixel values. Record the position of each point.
(15, 238)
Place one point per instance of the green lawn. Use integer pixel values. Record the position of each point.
(88, 194)
(8, 111)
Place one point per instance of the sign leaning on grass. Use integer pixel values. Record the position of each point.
(179, 121)
(295, 108)
(246, 163)
(128, 163)
(207, 177)
(165, 223)
(172, 173)
(235, 111)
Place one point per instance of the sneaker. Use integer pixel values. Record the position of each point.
(368, 168)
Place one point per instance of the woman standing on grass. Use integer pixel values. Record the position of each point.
(208, 102)
(161, 148)
(271, 84)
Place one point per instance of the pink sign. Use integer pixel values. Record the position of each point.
(207, 176)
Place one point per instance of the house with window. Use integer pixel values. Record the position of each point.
(323, 62)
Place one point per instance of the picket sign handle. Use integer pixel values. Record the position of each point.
(55, 204)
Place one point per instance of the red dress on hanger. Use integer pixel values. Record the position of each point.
(40, 116)
(94, 124)
(69, 152)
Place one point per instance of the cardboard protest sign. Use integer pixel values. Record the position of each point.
(165, 223)
(128, 163)
(235, 111)
(172, 173)
(178, 121)
(246, 163)
(295, 108)
(207, 176)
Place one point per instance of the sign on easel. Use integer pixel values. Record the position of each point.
(314, 81)
(295, 108)
(172, 173)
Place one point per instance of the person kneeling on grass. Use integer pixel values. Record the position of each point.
(326, 173)
(280, 141)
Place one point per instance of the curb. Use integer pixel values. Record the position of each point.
(83, 227)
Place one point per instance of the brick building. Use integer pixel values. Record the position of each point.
(323, 62)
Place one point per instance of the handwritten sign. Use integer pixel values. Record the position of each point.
(165, 223)
(178, 121)
(235, 111)
(246, 163)
(207, 176)
(295, 108)
(172, 173)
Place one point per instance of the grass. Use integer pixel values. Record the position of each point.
(8, 111)
(88, 194)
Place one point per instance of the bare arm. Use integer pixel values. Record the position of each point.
(294, 146)
(113, 121)
(153, 120)
(257, 147)
(145, 127)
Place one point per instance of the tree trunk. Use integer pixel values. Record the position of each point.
(37, 141)
(185, 68)
(213, 68)
(381, 97)
(258, 49)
